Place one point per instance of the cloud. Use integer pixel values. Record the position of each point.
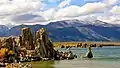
(48, 14)
(110, 2)
(73, 11)
(93, 7)
(113, 19)
(18, 6)
(7, 22)
(18, 11)
(31, 18)
(64, 3)
(70, 11)
(91, 0)
(53, 1)
(95, 10)
(115, 10)
(29, 11)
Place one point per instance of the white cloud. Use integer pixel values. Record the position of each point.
(26, 11)
(48, 14)
(90, 17)
(52, 1)
(115, 10)
(73, 11)
(18, 6)
(11, 10)
(64, 3)
(113, 19)
(7, 22)
(93, 7)
(96, 10)
(70, 11)
(110, 2)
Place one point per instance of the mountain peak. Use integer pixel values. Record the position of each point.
(76, 22)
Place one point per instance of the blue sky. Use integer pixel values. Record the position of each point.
(17, 12)
(56, 3)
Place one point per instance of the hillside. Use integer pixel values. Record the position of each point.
(72, 30)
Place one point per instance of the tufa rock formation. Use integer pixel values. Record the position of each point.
(44, 45)
(8, 43)
(9, 49)
(13, 48)
(0, 43)
(19, 41)
(27, 39)
(89, 53)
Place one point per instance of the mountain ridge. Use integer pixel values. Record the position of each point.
(71, 30)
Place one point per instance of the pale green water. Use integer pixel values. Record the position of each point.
(106, 57)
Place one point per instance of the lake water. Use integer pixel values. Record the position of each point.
(106, 57)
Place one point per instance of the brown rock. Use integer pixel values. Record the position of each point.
(45, 46)
(8, 43)
(19, 41)
(0, 43)
(27, 39)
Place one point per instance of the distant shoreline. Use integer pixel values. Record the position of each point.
(57, 44)
(104, 43)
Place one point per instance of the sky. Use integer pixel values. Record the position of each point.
(15, 12)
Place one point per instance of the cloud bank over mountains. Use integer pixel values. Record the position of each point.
(14, 12)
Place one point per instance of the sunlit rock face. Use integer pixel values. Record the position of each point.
(27, 39)
(45, 46)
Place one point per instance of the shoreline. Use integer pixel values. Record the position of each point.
(59, 44)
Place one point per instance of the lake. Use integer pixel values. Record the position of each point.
(106, 57)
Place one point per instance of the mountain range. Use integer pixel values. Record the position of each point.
(71, 30)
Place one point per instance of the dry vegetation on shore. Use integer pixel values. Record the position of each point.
(59, 44)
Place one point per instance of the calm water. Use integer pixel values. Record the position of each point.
(106, 57)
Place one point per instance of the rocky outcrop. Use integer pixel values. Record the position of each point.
(27, 48)
(8, 43)
(19, 41)
(9, 49)
(27, 39)
(0, 43)
(45, 46)
(89, 53)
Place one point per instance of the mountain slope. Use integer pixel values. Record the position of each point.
(15, 31)
(73, 30)
(4, 30)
